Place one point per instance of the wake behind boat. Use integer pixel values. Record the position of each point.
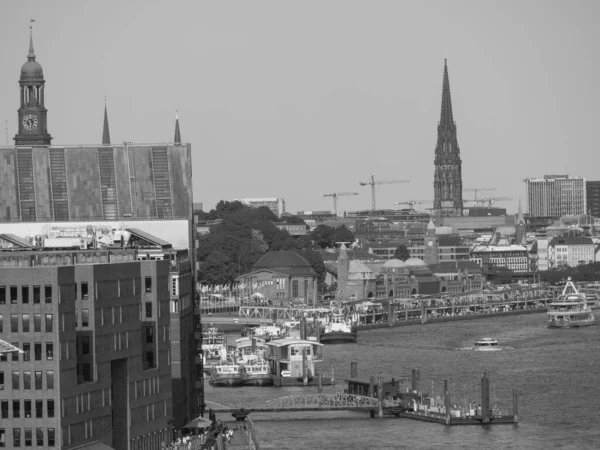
(486, 345)
(570, 309)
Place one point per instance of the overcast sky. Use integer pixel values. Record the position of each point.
(298, 99)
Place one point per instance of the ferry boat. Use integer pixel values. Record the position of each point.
(486, 345)
(258, 373)
(570, 309)
(249, 349)
(227, 373)
(296, 358)
(214, 347)
(339, 329)
(268, 332)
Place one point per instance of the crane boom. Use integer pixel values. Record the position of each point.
(476, 190)
(335, 196)
(374, 183)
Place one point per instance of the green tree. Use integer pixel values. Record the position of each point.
(343, 234)
(401, 253)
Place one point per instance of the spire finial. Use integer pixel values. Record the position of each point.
(105, 130)
(177, 132)
(31, 55)
(446, 117)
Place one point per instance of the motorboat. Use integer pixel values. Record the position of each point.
(339, 328)
(258, 373)
(268, 332)
(570, 309)
(249, 349)
(486, 345)
(214, 347)
(227, 373)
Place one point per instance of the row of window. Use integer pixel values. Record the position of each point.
(37, 377)
(27, 295)
(42, 435)
(26, 323)
(28, 409)
(26, 355)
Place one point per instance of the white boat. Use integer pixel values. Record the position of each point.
(570, 309)
(258, 373)
(249, 349)
(226, 373)
(486, 345)
(214, 347)
(268, 332)
(339, 328)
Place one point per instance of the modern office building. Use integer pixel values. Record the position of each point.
(556, 196)
(592, 189)
(275, 204)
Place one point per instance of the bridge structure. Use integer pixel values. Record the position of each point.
(271, 313)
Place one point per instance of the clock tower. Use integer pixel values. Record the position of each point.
(430, 255)
(33, 129)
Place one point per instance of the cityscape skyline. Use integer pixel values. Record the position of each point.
(256, 106)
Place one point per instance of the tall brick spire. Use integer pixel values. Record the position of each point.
(105, 130)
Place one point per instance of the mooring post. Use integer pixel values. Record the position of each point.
(353, 370)
(318, 331)
(380, 396)
(423, 312)
(302, 328)
(391, 317)
(304, 368)
(415, 380)
(515, 406)
(332, 371)
(447, 402)
(316, 327)
(371, 386)
(485, 398)
(320, 385)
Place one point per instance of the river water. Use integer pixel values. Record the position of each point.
(556, 371)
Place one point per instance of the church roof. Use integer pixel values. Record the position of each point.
(446, 117)
(31, 70)
(285, 261)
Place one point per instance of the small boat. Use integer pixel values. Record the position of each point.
(258, 373)
(570, 309)
(249, 349)
(339, 329)
(214, 347)
(227, 373)
(486, 345)
(268, 332)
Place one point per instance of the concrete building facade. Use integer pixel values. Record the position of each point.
(556, 196)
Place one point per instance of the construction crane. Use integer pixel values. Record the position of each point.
(476, 190)
(374, 183)
(335, 196)
(491, 200)
(412, 203)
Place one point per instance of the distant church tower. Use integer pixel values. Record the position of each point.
(430, 255)
(447, 181)
(33, 129)
(520, 228)
(343, 267)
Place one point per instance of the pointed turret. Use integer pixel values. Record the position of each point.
(343, 267)
(446, 117)
(177, 132)
(520, 218)
(31, 55)
(521, 227)
(105, 130)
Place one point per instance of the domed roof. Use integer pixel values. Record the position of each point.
(394, 263)
(32, 71)
(414, 262)
(281, 258)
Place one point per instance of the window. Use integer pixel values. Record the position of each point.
(13, 294)
(84, 291)
(28, 437)
(15, 355)
(148, 282)
(148, 360)
(16, 409)
(39, 409)
(2, 437)
(38, 379)
(16, 437)
(27, 350)
(50, 380)
(1, 323)
(148, 309)
(39, 437)
(50, 408)
(4, 409)
(49, 323)
(15, 380)
(48, 294)
(1, 381)
(295, 288)
(85, 317)
(37, 323)
(37, 349)
(36, 294)
(149, 335)
(25, 320)
(84, 373)
(14, 323)
(51, 437)
(25, 294)
(27, 379)
(49, 351)
(85, 345)
(27, 408)
(2, 295)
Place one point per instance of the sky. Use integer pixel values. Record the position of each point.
(300, 99)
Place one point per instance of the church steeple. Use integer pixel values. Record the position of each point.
(447, 181)
(520, 227)
(105, 130)
(33, 129)
(177, 132)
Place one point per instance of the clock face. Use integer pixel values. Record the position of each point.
(30, 122)
(430, 243)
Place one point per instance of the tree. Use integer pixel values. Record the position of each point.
(343, 234)
(401, 253)
(323, 236)
(218, 268)
(316, 263)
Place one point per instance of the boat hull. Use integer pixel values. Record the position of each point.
(571, 324)
(227, 380)
(339, 337)
(258, 380)
(479, 349)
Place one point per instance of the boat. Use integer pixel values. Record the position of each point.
(290, 357)
(227, 373)
(249, 349)
(570, 309)
(214, 347)
(258, 373)
(268, 332)
(486, 345)
(339, 328)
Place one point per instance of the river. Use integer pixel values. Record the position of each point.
(556, 371)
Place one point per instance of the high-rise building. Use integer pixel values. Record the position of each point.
(104, 197)
(593, 198)
(556, 196)
(275, 204)
(447, 181)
